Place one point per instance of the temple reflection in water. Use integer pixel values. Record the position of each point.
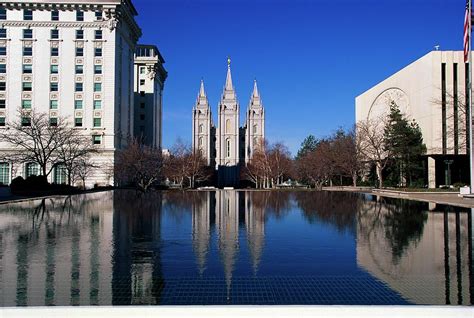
(122, 248)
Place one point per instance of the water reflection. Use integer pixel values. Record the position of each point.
(122, 248)
(425, 256)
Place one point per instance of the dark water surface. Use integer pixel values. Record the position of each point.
(230, 247)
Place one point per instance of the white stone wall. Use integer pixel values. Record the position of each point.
(417, 90)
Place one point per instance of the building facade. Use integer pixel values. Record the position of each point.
(75, 60)
(228, 145)
(432, 91)
(149, 80)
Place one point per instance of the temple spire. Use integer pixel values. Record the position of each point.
(202, 93)
(228, 81)
(255, 89)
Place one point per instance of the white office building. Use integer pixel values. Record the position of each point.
(432, 91)
(72, 59)
(149, 81)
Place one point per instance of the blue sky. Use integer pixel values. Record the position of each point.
(311, 58)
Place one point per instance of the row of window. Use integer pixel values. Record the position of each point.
(54, 33)
(53, 122)
(28, 15)
(53, 87)
(33, 169)
(53, 104)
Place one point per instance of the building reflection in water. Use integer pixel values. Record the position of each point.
(50, 251)
(424, 255)
(137, 274)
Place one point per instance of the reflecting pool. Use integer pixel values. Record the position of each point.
(234, 247)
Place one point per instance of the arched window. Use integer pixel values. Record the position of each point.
(255, 129)
(228, 126)
(201, 128)
(32, 169)
(60, 174)
(200, 142)
(255, 142)
(228, 148)
(4, 173)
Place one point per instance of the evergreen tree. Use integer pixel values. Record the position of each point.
(309, 144)
(403, 139)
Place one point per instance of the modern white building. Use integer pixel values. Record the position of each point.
(75, 60)
(432, 91)
(228, 145)
(149, 81)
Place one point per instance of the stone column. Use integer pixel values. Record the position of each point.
(431, 173)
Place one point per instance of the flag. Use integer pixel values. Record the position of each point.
(467, 31)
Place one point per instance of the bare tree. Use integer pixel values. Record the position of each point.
(279, 161)
(196, 168)
(74, 153)
(371, 143)
(347, 154)
(316, 167)
(34, 139)
(139, 164)
(82, 169)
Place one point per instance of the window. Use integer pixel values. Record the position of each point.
(96, 139)
(54, 51)
(3, 68)
(142, 116)
(3, 103)
(201, 128)
(55, 15)
(142, 105)
(4, 173)
(97, 104)
(26, 104)
(53, 104)
(53, 122)
(54, 87)
(27, 51)
(97, 87)
(142, 70)
(3, 13)
(25, 121)
(97, 122)
(79, 34)
(79, 51)
(3, 86)
(78, 122)
(3, 33)
(27, 14)
(98, 15)
(228, 148)
(60, 174)
(79, 15)
(97, 69)
(227, 126)
(142, 93)
(79, 69)
(3, 51)
(32, 169)
(98, 35)
(54, 69)
(79, 87)
(255, 129)
(98, 52)
(27, 86)
(27, 33)
(2, 121)
(27, 68)
(142, 82)
(200, 142)
(78, 104)
(54, 34)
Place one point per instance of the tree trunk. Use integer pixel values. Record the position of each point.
(354, 179)
(378, 169)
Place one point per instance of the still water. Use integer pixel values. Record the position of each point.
(233, 247)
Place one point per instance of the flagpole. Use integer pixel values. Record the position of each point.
(471, 150)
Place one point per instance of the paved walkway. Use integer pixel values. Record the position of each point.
(448, 198)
